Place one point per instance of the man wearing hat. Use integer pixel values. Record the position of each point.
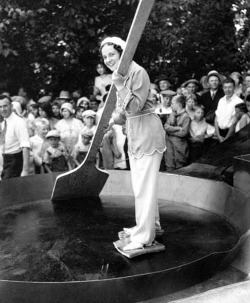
(191, 86)
(163, 83)
(63, 97)
(211, 98)
(164, 108)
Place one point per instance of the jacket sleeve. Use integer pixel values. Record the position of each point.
(184, 128)
(138, 85)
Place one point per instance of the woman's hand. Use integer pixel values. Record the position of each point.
(118, 80)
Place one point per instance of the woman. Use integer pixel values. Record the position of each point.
(101, 81)
(45, 111)
(69, 127)
(146, 141)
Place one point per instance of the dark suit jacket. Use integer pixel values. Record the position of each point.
(210, 104)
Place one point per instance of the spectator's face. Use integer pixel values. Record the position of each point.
(65, 113)
(89, 121)
(199, 114)
(247, 91)
(34, 111)
(56, 110)
(238, 113)
(248, 106)
(85, 104)
(164, 85)
(42, 131)
(247, 80)
(42, 113)
(213, 82)
(100, 69)
(235, 78)
(94, 105)
(191, 88)
(85, 140)
(5, 108)
(79, 113)
(54, 142)
(190, 103)
(174, 105)
(228, 89)
(111, 57)
(166, 101)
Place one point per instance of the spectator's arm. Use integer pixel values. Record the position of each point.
(26, 159)
(184, 129)
(243, 121)
(217, 132)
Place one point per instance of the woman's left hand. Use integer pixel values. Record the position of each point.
(118, 80)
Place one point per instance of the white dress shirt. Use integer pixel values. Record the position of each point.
(226, 110)
(17, 135)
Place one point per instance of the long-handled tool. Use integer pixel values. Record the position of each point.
(87, 180)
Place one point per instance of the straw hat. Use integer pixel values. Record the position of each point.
(64, 94)
(194, 81)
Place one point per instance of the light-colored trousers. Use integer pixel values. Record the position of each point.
(144, 175)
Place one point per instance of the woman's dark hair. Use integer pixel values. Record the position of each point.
(5, 97)
(180, 99)
(47, 108)
(116, 47)
(242, 107)
(247, 98)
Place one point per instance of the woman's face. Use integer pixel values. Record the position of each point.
(111, 57)
(42, 113)
(190, 103)
(65, 113)
(56, 110)
(100, 69)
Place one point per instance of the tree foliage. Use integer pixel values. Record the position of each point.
(54, 44)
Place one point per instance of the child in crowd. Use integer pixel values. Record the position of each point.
(245, 118)
(82, 146)
(199, 131)
(177, 130)
(89, 117)
(164, 109)
(56, 156)
(190, 103)
(79, 112)
(38, 143)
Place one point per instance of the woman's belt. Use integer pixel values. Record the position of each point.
(141, 113)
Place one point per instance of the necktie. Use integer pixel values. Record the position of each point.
(212, 95)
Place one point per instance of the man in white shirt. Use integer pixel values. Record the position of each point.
(224, 120)
(15, 141)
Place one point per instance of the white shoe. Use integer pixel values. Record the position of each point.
(133, 246)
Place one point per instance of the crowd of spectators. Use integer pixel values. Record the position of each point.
(57, 131)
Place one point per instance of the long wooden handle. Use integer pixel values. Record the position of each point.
(136, 29)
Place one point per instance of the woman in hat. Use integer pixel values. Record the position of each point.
(69, 127)
(146, 142)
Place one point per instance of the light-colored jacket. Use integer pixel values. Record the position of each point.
(144, 128)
